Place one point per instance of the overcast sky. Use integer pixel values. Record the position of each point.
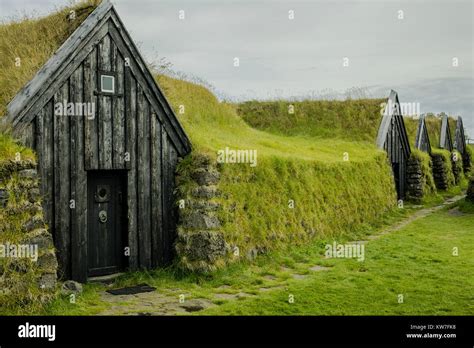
(283, 57)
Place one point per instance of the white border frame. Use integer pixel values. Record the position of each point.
(101, 84)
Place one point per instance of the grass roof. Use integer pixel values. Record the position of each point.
(27, 44)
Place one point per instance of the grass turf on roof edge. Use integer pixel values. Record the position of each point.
(27, 43)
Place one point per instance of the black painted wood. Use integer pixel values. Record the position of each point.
(392, 137)
(132, 140)
(106, 191)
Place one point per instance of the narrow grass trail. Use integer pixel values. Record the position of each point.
(411, 260)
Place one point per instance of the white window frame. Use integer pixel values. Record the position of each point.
(102, 83)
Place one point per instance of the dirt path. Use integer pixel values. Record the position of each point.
(176, 301)
(415, 216)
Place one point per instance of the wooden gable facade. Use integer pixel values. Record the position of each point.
(445, 139)
(108, 144)
(460, 138)
(422, 140)
(392, 137)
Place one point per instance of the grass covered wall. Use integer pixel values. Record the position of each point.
(421, 183)
(301, 188)
(28, 262)
(442, 169)
(350, 119)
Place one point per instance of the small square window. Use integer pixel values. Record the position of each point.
(107, 83)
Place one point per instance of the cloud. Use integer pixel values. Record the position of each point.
(284, 58)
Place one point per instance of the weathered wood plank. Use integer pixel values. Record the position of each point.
(91, 147)
(27, 135)
(39, 141)
(105, 54)
(42, 169)
(46, 163)
(183, 145)
(118, 112)
(130, 102)
(173, 161)
(62, 188)
(156, 192)
(105, 108)
(143, 153)
(179, 139)
(105, 132)
(73, 227)
(78, 184)
(165, 150)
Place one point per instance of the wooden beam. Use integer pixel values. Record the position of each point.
(156, 192)
(61, 184)
(143, 153)
(131, 139)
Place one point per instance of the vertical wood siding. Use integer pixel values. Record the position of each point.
(126, 124)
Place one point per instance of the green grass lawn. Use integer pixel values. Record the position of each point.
(416, 261)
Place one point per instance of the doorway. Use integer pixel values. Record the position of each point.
(106, 214)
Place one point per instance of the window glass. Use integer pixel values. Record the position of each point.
(107, 84)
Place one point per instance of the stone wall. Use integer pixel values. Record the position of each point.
(200, 244)
(442, 170)
(457, 165)
(22, 226)
(414, 179)
(420, 176)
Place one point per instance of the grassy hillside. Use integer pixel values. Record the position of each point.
(350, 119)
(411, 126)
(26, 44)
(332, 197)
(213, 126)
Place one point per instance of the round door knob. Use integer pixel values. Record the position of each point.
(103, 216)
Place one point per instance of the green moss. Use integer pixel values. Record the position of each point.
(349, 119)
(329, 200)
(213, 126)
(426, 166)
(331, 197)
(445, 159)
(19, 277)
(12, 150)
(457, 167)
(33, 42)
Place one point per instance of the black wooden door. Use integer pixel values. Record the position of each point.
(105, 253)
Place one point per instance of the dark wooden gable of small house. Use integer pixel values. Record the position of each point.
(392, 137)
(422, 140)
(445, 140)
(459, 138)
(107, 180)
